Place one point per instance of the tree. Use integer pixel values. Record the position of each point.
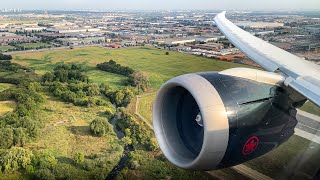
(5, 57)
(93, 90)
(112, 66)
(139, 80)
(44, 160)
(126, 140)
(153, 144)
(6, 136)
(119, 96)
(105, 89)
(15, 158)
(100, 127)
(48, 77)
(78, 157)
(110, 112)
(19, 137)
(44, 174)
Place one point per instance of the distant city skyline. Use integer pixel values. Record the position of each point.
(165, 4)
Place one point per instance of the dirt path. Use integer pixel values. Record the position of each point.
(66, 121)
(137, 112)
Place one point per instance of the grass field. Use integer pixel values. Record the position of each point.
(5, 48)
(6, 106)
(158, 66)
(67, 131)
(311, 108)
(145, 106)
(5, 86)
(19, 21)
(34, 45)
(114, 80)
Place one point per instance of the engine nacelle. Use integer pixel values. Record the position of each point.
(206, 121)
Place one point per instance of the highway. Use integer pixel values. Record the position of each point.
(308, 126)
(308, 122)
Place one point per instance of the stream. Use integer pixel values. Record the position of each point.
(125, 155)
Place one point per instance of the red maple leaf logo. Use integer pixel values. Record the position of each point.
(250, 145)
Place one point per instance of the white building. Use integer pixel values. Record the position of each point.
(171, 42)
(206, 39)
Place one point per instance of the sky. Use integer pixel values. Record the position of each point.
(164, 4)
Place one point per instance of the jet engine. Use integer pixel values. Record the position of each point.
(213, 120)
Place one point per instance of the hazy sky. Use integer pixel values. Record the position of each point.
(164, 4)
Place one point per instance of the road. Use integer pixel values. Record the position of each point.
(308, 122)
(308, 126)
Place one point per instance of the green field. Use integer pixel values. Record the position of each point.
(5, 48)
(67, 131)
(158, 66)
(311, 108)
(145, 106)
(34, 45)
(5, 86)
(6, 106)
(114, 80)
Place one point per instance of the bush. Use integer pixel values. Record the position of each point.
(110, 112)
(44, 160)
(14, 159)
(5, 57)
(44, 174)
(65, 73)
(122, 97)
(138, 134)
(113, 67)
(78, 157)
(140, 81)
(6, 136)
(100, 127)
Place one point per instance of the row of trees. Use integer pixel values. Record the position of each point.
(113, 67)
(22, 124)
(65, 73)
(71, 85)
(5, 57)
(37, 164)
(135, 79)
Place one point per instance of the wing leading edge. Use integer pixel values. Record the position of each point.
(303, 76)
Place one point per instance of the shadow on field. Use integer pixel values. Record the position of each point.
(65, 160)
(80, 130)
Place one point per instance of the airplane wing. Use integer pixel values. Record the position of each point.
(301, 75)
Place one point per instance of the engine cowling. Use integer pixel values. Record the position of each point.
(211, 120)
